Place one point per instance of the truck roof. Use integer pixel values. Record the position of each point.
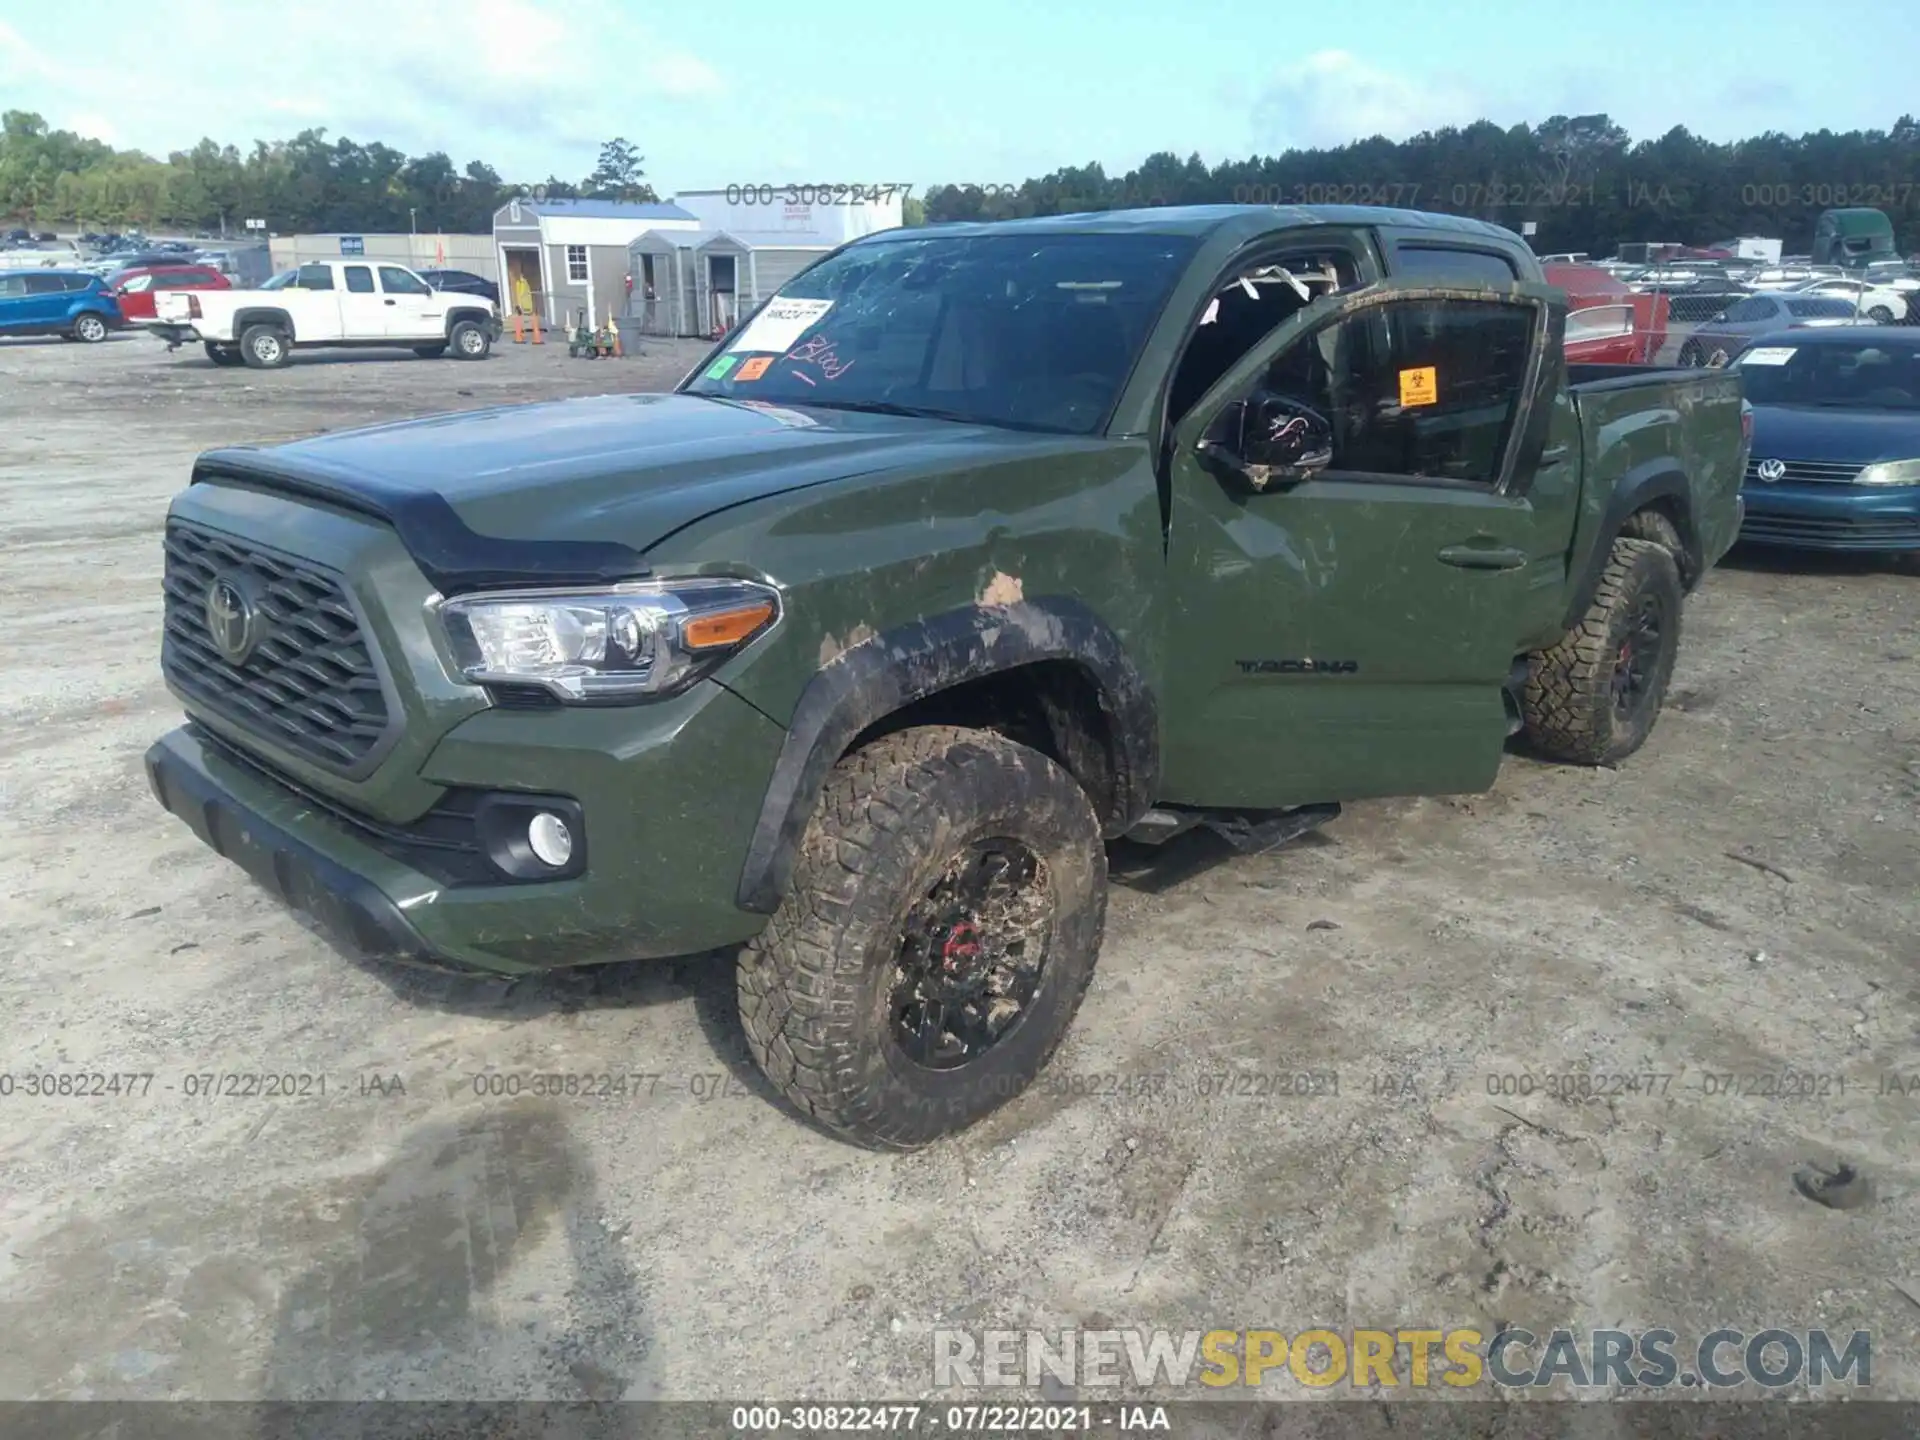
(1203, 220)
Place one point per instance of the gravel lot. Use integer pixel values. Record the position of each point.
(403, 1237)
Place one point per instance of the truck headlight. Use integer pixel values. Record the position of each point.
(1890, 472)
(629, 642)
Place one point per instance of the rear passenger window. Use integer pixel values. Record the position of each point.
(314, 277)
(1443, 266)
(359, 279)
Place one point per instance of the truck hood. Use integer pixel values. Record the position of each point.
(575, 491)
(1831, 433)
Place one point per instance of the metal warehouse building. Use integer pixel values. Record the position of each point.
(561, 257)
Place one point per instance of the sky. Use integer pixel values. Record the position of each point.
(724, 92)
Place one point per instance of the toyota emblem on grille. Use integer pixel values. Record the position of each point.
(232, 621)
(1771, 470)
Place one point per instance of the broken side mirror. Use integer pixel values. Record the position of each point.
(1270, 440)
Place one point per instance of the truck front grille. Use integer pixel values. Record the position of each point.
(308, 683)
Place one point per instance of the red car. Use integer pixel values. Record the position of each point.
(1607, 322)
(134, 288)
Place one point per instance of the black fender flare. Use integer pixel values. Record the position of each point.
(1653, 480)
(262, 315)
(879, 676)
(480, 317)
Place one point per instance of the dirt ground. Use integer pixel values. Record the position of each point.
(403, 1237)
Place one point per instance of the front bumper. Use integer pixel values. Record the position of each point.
(671, 793)
(1832, 517)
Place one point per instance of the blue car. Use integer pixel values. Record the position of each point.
(1835, 463)
(68, 303)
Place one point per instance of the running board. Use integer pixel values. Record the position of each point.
(1246, 832)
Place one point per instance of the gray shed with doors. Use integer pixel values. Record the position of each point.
(701, 282)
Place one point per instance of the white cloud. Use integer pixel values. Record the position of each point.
(1332, 98)
(682, 76)
(531, 86)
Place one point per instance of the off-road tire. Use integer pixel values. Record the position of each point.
(469, 341)
(817, 986)
(430, 352)
(223, 355)
(1654, 526)
(1568, 702)
(90, 329)
(258, 354)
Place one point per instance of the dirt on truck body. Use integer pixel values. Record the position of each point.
(975, 549)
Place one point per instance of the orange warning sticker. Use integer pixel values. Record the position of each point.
(1417, 387)
(755, 368)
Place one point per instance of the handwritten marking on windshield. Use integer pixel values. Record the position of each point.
(819, 351)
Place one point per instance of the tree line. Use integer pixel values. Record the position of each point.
(1581, 180)
(307, 184)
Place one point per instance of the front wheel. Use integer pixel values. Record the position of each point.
(1593, 698)
(942, 925)
(1691, 356)
(1880, 315)
(470, 341)
(89, 329)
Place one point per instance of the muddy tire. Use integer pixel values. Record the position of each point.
(1593, 698)
(942, 925)
(1653, 526)
(222, 355)
(265, 347)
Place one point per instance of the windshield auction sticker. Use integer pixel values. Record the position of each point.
(720, 368)
(775, 328)
(1420, 386)
(755, 368)
(1769, 355)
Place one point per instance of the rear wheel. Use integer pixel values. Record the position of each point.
(265, 347)
(430, 352)
(89, 329)
(1880, 315)
(942, 925)
(470, 341)
(225, 355)
(1593, 698)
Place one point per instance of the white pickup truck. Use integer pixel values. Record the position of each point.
(329, 302)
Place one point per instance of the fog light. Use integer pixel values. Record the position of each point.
(550, 840)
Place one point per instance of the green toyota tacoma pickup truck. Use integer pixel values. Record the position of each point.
(974, 548)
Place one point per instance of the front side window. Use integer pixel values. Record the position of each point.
(396, 281)
(12, 286)
(1028, 331)
(46, 285)
(1420, 389)
(577, 264)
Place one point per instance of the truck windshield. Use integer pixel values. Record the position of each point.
(1031, 332)
(1867, 375)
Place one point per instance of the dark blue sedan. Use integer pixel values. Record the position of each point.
(1835, 463)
